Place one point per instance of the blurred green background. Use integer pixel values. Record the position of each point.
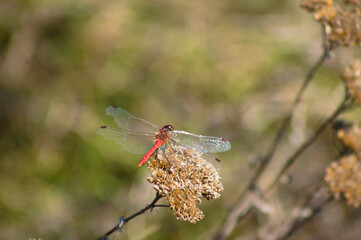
(223, 68)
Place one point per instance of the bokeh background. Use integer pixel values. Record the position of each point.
(224, 68)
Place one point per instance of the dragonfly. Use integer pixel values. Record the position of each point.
(139, 136)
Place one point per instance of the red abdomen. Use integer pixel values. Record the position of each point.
(145, 158)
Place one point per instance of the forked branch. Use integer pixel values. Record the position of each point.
(287, 120)
(341, 108)
(123, 221)
(235, 214)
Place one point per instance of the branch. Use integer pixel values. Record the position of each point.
(286, 121)
(298, 223)
(342, 107)
(235, 215)
(123, 221)
(286, 225)
(244, 206)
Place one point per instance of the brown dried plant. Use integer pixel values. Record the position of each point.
(183, 176)
(351, 138)
(352, 79)
(341, 23)
(344, 177)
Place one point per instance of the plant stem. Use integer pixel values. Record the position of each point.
(286, 121)
(311, 140)
(235, 215)
(123, 221)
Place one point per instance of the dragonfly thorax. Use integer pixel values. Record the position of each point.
(163, 133)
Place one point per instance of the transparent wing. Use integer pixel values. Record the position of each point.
(199, 143)
(131, 123)
(216, 162)
(131, 142)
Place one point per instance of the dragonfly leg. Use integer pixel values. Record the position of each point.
(165, 155)
(171, 145)
(174, 150)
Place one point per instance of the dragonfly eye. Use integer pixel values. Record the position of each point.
(169, 127)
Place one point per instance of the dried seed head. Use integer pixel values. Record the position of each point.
(344, 177)
(316, 5)
(351, 137)
(352, 78)
(183, 176)
(342, 24)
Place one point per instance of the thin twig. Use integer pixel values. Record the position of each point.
(237, 216)
(233, 218)
(241, 210)
(342, 107)
(286, 121)
(298, 223)
(123, 221)
(305, 209)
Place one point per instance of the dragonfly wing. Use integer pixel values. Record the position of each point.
(131, 123)
(199, 143)
(131, 142)
(213, 160)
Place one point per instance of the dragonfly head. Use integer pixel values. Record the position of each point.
(168, 127)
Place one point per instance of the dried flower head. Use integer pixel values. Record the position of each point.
(316, 5)
(352, 78)
(351, 137)
(344, 176)
(183, 176)
(341, 24)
